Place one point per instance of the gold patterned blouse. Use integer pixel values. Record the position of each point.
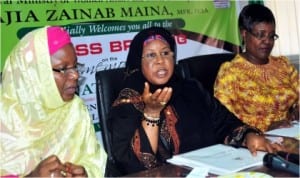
(258, 94)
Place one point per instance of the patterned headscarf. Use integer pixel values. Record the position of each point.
(154, 37)
(35, 121)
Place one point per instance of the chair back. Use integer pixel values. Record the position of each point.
(204, 68)
(108, 86)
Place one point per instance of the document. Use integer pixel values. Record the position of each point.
(219, 159)
(293, 131)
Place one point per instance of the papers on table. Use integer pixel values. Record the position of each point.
(198, 172)
(287, 132)
(219, 159)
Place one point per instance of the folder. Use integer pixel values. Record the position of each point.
(219, 159)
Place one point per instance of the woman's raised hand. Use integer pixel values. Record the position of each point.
(155, 102)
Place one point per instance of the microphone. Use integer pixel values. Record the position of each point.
(276, 162)
(291, 157)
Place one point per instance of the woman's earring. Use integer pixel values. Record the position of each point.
(244, 47)
(243, 44)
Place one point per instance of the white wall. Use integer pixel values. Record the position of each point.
(287, 15)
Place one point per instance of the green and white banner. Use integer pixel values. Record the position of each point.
(102, 30)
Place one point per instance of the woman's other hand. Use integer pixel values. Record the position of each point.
(73, 170)
(49, 167)
(256, 143)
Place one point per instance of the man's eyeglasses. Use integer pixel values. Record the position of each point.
(264, 36)
(152, 56)
(65, 71)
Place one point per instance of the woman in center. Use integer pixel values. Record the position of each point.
(157, 114)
